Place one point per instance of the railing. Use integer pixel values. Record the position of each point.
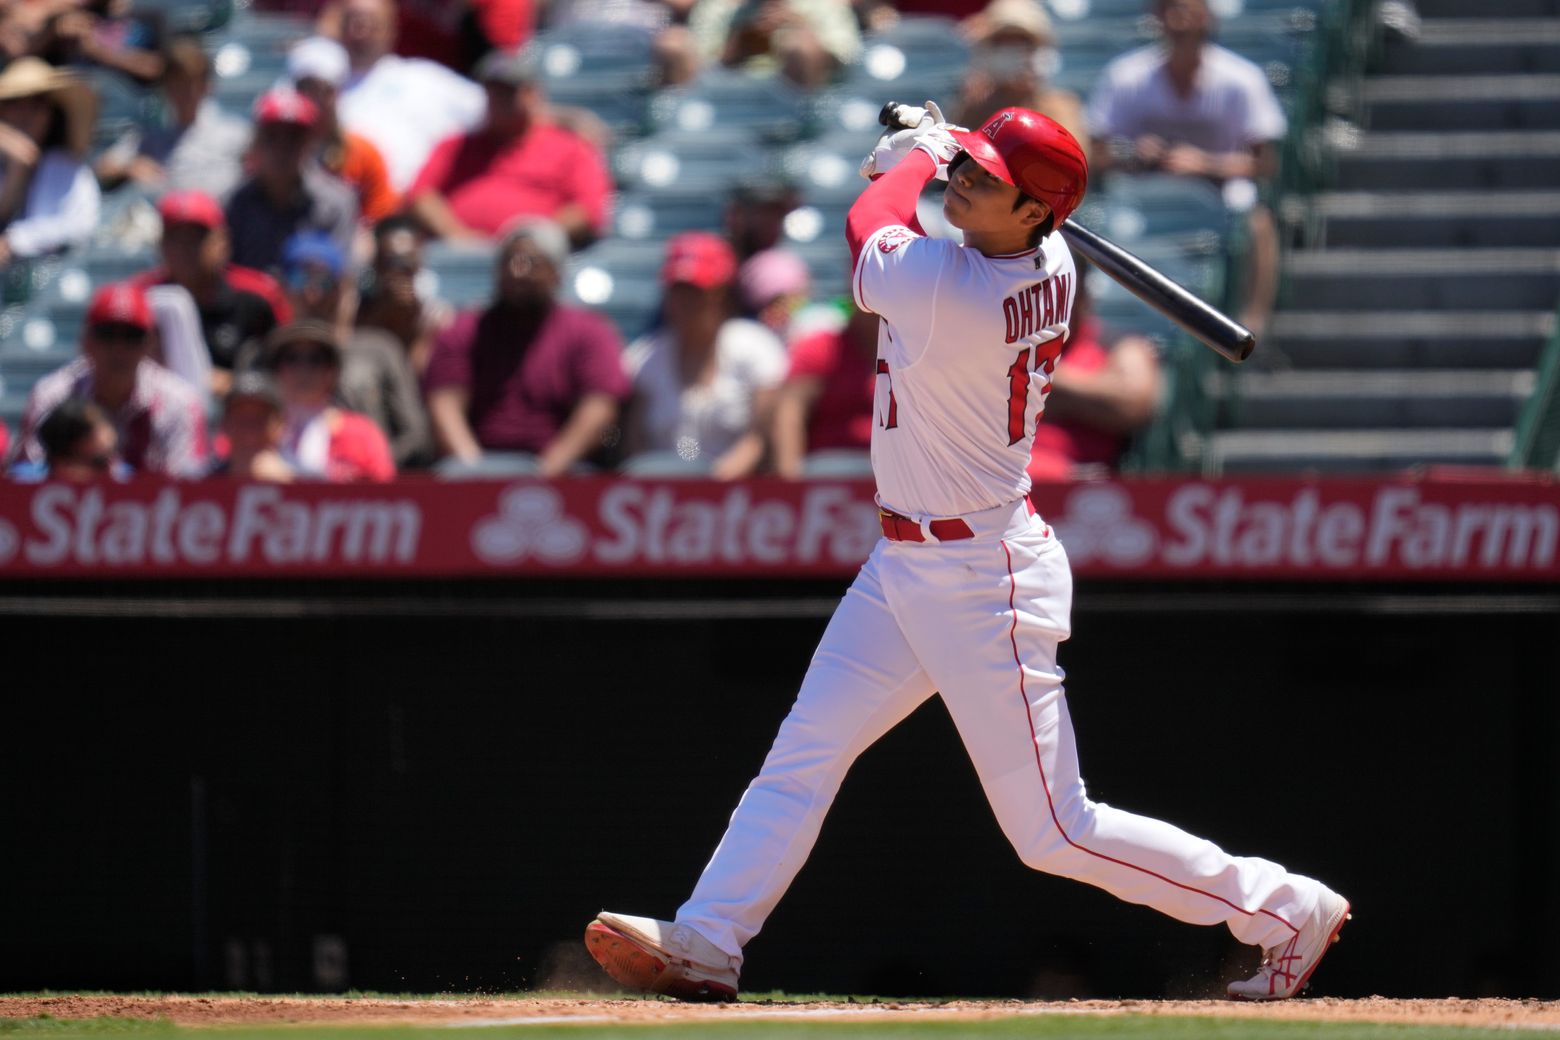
(1537, 441)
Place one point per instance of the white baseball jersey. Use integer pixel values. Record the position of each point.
(965, 354)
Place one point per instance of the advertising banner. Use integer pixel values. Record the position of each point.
(1288, 529)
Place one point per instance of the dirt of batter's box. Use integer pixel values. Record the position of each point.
(216, 1010)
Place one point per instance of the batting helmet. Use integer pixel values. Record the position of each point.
(1034, 153)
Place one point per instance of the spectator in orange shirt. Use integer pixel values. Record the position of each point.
(517, 163)
(318, 67)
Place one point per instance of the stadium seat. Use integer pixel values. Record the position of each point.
(495, 464)
(666, 464)
(711, 160)
(659, 215)
(837, 463)
(918, 58)
(723, 99)
(463, 273)
(609, 55)
(620, 279)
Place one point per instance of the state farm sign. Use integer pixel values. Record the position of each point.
(1397, 528)
(85, 526)
(1167, 528)
(662, 525)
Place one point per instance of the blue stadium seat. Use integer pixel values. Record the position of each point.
(1137, 207)
(659, 215)
(620, 279)
(720, 98)
(711, 161)
(917, 58)
(610, 56)
(189, 16)
(464, 272)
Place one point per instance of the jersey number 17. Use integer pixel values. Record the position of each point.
(1018, 392)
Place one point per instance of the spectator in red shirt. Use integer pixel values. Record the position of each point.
(1100, 396)
(528, 374)
(825, 403)
(238, 306)
(516, 163)
(320, 440)
(157, 416)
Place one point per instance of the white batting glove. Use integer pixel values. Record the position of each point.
(923, 123)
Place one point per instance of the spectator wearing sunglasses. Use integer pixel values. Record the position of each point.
(157, 417)
(376, 375)
(394, 298)
(320, 439)
(79, 446)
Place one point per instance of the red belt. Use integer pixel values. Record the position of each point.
(897, 528)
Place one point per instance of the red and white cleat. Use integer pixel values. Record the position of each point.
(1287, 967)
(661, 957)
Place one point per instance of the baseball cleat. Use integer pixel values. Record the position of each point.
(661, 957)
(1287, 967)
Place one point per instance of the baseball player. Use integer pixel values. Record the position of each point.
(969, 592)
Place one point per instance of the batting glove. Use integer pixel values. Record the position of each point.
(926, 125)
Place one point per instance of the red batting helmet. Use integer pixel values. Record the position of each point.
(1034, 153)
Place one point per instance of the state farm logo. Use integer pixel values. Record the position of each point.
(1100, 525)
(8, 542)
(530, 522)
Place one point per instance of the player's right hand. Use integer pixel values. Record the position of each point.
(928, 126)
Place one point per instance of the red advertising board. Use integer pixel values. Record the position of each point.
(1289, 529)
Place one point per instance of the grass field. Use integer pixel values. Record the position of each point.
(775, 1017)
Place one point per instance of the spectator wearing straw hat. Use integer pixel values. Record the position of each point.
(159, 420)
(318, 67)
(1014, 44)
(288, 192)
(48, 196)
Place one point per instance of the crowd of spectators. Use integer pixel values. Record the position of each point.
(287, 332)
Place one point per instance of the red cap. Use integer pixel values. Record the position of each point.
(285, 106)
(699, 258)
(191, 207)
(120, 303)
(1034, 153)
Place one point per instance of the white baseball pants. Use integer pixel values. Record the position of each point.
(979, 621)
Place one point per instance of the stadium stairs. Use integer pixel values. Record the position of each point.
(1416, 314)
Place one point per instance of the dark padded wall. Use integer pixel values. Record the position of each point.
(441, 804)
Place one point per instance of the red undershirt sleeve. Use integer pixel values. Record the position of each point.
(889, 201)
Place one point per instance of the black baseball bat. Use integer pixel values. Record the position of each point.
(1210, 326)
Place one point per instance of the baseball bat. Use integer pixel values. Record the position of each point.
(1213, 328)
